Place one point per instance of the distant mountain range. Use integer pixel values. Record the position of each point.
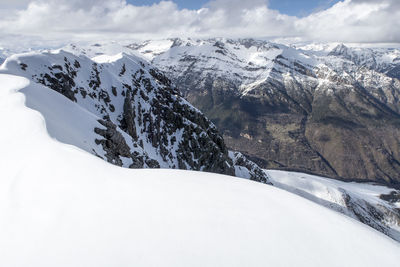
(333, 112)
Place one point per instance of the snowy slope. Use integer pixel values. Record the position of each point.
(61, 206)
(375, 205)
(123, 110)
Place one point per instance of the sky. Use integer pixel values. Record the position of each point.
(54, 22)
(288, 7)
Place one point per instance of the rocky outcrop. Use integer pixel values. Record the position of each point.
(378, 216)
(247, 168)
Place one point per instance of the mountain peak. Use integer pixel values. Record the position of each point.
(339, 50)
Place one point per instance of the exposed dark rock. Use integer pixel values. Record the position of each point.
(393, 197)
(123, 70)
(114, 90)
(256, 173)
(23, 66)
(113, 144)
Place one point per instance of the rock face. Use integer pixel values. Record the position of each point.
(143, 121)
(333, 113)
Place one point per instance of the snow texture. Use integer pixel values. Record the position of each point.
(61, 206)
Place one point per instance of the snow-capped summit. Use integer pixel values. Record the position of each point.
(339, 50)
(93, 50)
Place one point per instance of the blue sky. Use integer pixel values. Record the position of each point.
(289, 7)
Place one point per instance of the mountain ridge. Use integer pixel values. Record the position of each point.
(141, 120)
(334, 113)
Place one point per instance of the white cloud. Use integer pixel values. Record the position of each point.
(74, 20)
(354, 21)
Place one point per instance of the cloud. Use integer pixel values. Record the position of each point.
(9, 4)
(354, 21)
(75, 20)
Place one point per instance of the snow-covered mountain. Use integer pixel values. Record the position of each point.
(382, 60)
(62, 206)
(89, 102)
(334, 113)
(236, 57)
(124, 111)
(375, 205)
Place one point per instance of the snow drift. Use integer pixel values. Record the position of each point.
(61, 206)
